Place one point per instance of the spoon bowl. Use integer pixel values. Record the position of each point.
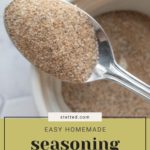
(107, 68)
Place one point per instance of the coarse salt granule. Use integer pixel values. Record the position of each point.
(55, 36)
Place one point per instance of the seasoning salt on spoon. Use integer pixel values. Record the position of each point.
(63, 40)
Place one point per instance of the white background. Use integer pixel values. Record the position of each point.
(15, 77)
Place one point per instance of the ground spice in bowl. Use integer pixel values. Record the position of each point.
(55, 36)
(129, 33)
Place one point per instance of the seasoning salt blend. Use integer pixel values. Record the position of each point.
(55, 36)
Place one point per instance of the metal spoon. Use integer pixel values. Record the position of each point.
(107, 67)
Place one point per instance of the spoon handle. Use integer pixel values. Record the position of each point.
(118, 74)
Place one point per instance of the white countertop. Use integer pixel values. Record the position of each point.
(15, 77)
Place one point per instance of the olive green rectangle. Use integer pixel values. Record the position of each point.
(148, 134)
(1, 134)
(20, 132)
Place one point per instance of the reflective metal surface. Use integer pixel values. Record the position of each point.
(107, 68)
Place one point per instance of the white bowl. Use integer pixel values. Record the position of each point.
(46, 89)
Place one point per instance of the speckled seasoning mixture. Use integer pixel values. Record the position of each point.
(130, 36)
(55, 36)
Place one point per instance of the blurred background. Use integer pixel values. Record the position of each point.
(16, 97)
